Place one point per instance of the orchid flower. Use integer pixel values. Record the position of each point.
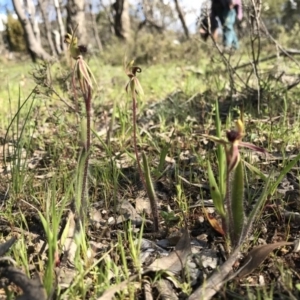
(233, 143)
(133, 83)
(230, 203)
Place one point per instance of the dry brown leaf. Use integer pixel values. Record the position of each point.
(142, 205)
(44, 176)
(214, 223)
(257, 255)
(35, 159)
(128, 212)
(296, 246)
(214, 283)
(218, 279)
(165, 290)
(69, 244)
(5, 246)
(177, 259)
(66, 274)
(173, 263)
(291, 216)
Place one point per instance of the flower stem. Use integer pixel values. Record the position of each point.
(85, 155)
(148, 186)
(135, 140)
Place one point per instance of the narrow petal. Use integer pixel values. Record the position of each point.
(138, 87)
(84, 71)
(215, 139)
(252, 147)
(233, 157)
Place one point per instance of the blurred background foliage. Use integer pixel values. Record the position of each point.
(151, 32)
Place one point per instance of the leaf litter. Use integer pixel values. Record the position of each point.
(181, 168)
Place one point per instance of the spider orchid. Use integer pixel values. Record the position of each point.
(229, 201)
(233, 143)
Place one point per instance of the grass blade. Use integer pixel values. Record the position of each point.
(220, 153)
(285, 170)
(256, 171)
(260, 202)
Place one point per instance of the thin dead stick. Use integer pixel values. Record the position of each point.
(287, 53)
(284, 52)
(289, 87)
(256, 10)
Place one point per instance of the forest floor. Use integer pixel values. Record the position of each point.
(39, 150)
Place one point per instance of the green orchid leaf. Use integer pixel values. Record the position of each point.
(236, 205)
(215, 192)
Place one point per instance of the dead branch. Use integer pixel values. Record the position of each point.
(32, 288)
(283, 52)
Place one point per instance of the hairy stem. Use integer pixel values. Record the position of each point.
(86, 154)
(228, 210)
(148, 186)
(135, 140)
